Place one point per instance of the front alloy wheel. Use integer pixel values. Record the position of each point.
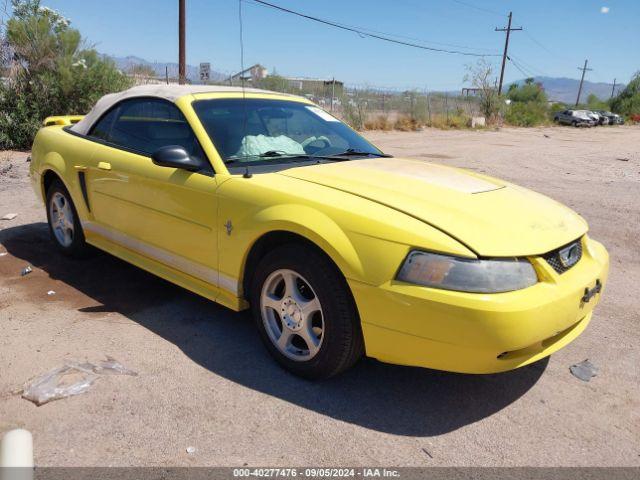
(305, 313)
(292, 315)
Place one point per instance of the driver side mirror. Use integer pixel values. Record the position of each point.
(176, 156)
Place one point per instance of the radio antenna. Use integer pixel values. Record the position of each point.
(244, 96)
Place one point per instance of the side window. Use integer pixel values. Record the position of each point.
(145, 125)
(102, 128)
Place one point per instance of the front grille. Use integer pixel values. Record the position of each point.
(553, 257)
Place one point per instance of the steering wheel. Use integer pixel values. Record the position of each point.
(316, 144)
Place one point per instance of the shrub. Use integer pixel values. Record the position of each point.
(594, 103)
(381, 122)
(481, 76)
(406, 124)
(627, 102)
(49, 73)
(526, 114)
(528, 106)
(458, 120)
(557, 107)
(529, 92)
(355, 108)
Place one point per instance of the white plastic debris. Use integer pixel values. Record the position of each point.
(74, 378)
(257, 144)
(9, 216)
(51, 292)
(3, 254)
(16, 449)
(26, 270)
(191, 450)
(584, 370)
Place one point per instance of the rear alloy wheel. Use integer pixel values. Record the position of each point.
(64, 224)
(304, 312)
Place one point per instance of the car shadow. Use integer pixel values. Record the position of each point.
(382, 397)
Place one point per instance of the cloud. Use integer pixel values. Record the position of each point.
(604, 9)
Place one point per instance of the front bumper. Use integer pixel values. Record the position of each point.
(480, 333)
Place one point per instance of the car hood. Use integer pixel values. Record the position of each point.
(489, 216)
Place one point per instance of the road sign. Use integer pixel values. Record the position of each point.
(205, 72)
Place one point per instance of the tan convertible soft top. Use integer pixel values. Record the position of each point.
(168, 92)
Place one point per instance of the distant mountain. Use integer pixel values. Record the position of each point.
(126, 63)
(566, 89)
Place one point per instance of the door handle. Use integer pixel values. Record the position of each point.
(104, 165)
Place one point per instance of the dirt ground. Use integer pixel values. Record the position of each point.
(206, 381)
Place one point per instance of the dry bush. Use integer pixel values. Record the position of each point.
(444, 122)
(406, 124)
(381, 122)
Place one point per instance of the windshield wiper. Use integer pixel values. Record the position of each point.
(270, 154)
(274, 153)
(352, 152)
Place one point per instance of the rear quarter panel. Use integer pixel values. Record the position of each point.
(55, 150)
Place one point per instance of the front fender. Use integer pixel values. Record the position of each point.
(316, 227)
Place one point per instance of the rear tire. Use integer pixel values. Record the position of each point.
(64, 224)
(305, 313)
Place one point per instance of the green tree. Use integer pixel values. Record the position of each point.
(529, 92)
(594, 103)
(50, 72)
(627, 102)
(528, 104)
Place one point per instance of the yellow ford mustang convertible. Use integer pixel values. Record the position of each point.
(265, 201)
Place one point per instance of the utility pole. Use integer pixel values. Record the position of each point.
(333, 91)
(182, 70)
(584, 69)
(506, 48)
(613, 89)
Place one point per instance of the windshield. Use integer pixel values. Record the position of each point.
(267, 131)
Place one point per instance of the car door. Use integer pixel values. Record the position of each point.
(565, 117)
(166, 214)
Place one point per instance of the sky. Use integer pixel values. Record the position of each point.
(558, 36)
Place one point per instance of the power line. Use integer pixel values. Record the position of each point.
(413, 38)
(542, 46)
(529, 66)
(520, 68)
(362, 32)
(481, 9)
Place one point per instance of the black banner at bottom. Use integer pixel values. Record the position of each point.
(403, 473)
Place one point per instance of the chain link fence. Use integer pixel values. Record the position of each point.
(364, 108)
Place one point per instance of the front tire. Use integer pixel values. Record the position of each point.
(64, 223)
(305, 313)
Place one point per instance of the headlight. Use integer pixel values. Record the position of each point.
(467, 275)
